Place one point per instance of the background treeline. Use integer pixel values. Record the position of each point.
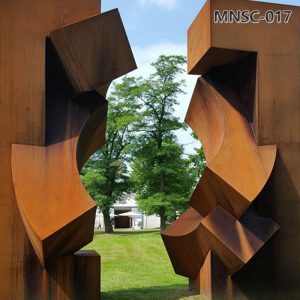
(142, 154)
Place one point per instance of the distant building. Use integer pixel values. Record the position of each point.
(133, 218)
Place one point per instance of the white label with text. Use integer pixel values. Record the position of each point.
(252, 16)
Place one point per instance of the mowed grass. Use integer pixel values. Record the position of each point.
(135, 265)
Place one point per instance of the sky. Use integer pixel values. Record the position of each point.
(156, 27)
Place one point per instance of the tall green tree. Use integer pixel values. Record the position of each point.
(159, 170)
(163, 180)
(105, 175)
(197, 163)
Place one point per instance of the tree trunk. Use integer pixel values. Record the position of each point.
(107, 223)
(163, 221)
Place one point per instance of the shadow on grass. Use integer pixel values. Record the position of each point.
(126, 232)
(173, 292)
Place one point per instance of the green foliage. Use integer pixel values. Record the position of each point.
(161, 174)
(158, 94)
(163, 179)
(106, 180)
(197, 162)
(141, 132)
(105, 175)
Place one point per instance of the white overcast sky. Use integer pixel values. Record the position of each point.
(156, 27)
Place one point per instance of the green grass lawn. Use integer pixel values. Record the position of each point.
(135, 265)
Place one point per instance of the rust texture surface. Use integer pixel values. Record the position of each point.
(240, 238)
(57, 59)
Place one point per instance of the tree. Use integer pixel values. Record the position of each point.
(105, 175)
(163, 180)
(160, 173)
(141, 128)
(197, 162)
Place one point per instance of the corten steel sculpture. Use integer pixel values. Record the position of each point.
(246, 112)
(57, 59)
